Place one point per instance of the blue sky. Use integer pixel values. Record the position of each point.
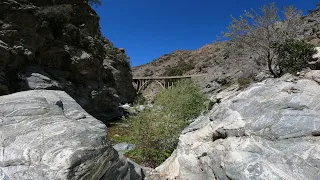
(147, 29)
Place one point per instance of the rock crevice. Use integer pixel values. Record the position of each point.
(58, 46)
(259, 133)
(41, 140)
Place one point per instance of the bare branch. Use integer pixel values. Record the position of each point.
(259, 31)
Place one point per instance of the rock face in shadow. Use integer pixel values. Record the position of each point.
(57, 45)
(271, 130)
(45, 134)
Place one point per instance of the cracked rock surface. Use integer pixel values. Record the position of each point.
(268, 131)
(45, 134)
(57, 45)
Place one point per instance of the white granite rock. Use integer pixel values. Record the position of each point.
(271, 130)
(46, 135)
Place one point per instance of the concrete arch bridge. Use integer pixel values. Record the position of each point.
(165, 81)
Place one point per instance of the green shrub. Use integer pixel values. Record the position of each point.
(294, 55)
(180, 69)
(155, 131)
(184, 100)
(54, 17)
(116, 53)
(119, 132)
(244, 81)
(148, 72)
(139, 99)
(311, 11)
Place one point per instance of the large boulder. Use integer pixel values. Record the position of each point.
(57, 45)
(45, 134)
(271, 130)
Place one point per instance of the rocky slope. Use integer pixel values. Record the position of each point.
(45, 134)
(57, 45)
(271, 130)
(223, 66)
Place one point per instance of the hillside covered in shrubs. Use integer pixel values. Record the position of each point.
(249, 54)
(260, 44)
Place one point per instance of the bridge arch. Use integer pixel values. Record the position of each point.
(143, 84)
(165, 82)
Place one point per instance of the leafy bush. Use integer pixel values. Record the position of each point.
(148, 72)
(180, 69)
(139, 99)
(54, 17)
(244, 81)
(184, 100)
(116, 53)
(119, 132)
(314, 10)
(294, 55)
(310, 11)
(156, 131)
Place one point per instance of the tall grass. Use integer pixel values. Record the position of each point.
(155, 131)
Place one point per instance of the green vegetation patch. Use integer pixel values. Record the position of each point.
(155, 131)
(54, 17)
(244, 81)
(184, 100)
(294, 55)
(119, 132)
(155, 134)
(180, 69)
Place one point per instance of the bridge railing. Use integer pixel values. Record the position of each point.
(168, 77)
(164, 82)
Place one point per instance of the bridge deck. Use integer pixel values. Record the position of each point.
(166, 77)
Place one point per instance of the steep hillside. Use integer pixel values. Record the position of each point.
(58, 45)
(222, 65)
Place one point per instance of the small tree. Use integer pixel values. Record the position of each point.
(314, 10)
(257, 32)
(55, 17)
(294, 55)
